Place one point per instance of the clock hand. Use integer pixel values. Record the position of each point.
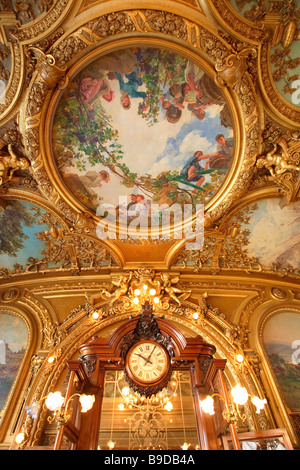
(146, 360)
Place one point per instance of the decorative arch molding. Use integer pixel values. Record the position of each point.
(265, 34)
(81, 328)
(62, 248)
(15, 397)
(225, 246)
(283, 301)
(17, 36)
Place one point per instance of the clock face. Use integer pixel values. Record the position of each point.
(147, 362)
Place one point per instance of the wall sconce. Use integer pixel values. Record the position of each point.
(232, 412)
(54, 402)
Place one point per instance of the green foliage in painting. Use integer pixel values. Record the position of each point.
(11, 227)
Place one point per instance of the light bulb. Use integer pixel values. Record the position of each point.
(111, 444)
(20, 438)
(121, 406)
(152, 291)
(86, 402)
(168, 406)
(135, 300)
(156, 300)
(195, 316)
(185, 446)
(239, 358)
(137, 292)
(51, 359)
(125, 391)
(145, 287)
(239, 395)
(95, 315)
(54, 401)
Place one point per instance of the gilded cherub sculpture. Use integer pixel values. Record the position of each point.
(9, 163)
(171, 290)
(122, 285)
(276, 161)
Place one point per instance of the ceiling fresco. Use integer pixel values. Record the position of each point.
(274, 234)
(146, 125)
(282, 346)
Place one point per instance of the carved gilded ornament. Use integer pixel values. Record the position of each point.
(268, 24)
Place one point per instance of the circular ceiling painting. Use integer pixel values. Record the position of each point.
(141, 127)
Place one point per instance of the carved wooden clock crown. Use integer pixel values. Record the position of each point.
(147, 355)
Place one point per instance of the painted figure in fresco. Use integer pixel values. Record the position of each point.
(222, 158)
(193, 170)
(199, 92)
(224, 145)
(173, 113)
(91, 88)
(129, 89)
(138, 206)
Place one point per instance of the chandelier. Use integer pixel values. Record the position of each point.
(131, 399)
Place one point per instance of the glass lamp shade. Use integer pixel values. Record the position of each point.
(207, 405)
(54, 401)
(86, 402)
(259, 404)
(239, 395)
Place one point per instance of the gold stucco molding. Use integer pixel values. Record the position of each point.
(262, 31)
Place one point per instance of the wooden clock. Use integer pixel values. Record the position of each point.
(147, 367)
(147, 355)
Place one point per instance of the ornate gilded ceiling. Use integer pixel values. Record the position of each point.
(71, 146)
(71, 149)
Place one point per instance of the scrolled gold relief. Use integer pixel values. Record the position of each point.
(282, 163)
(277, 161)
(46, 66)
(234, 68)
